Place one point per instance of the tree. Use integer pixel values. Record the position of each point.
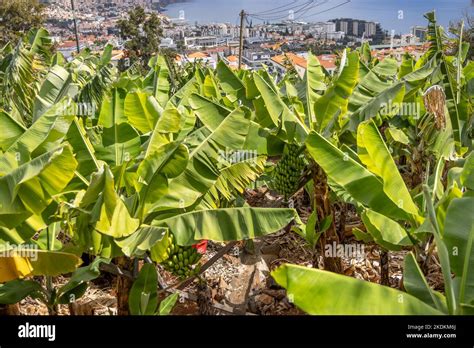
(17, 17)
(142, 33)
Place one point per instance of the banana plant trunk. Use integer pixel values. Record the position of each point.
(13, 309)
(384, 267)
(124, 285)
(324, 208)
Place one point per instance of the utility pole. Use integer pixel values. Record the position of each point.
(75, 27)
(241, 43)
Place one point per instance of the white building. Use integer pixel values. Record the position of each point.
(167, 43)
(203, 41)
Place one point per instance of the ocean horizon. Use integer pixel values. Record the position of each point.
(397, 15)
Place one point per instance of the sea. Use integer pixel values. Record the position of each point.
(397, 15)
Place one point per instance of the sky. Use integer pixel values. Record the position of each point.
(398, 15)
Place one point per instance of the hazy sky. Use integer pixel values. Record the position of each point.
(387, 12)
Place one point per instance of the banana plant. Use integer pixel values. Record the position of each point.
(151, 182)
(36, 167)
(281, 112)
(312, 290)
(13, 291)
(148, 171)
(387, 202)
(22, 68)
(449, 73)
(380, 91)
(85, 79)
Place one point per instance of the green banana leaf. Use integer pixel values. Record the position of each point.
(230, 83)
(209, 88)
(238, 176)
(202, 170)
(118, 224)
(77, 283)
(112, 109)
(290, 126)
(386, 68)
(167, 162)
(48, 130)
(459, 238)
(408, 63)
(334, 103)
(109, 213)
(169, 121)
(225, 225)
(210, 113)
(372, 106)
(11, 130)
(40, 42)
(57, 85)
(144, 239)
(118, 144)
(160, 78)
(28, 189)
(83, 149)
(142, 111)
(373, 152)
(443, 254)
(386, 232)
(415, 284)
(314, 83)
(352, 177)
(16, 290)
(143, 299)
(166, 306)
(313, 291)
(467, 174)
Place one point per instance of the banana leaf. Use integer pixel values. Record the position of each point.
(313, 291)
(224, 225)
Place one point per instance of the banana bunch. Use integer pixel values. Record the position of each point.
(181, 261)
(288, 171)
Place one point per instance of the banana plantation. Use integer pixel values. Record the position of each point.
(193, 190)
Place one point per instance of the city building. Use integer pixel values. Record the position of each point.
(419, 32)
(356, 27)
(203, 41)
(255, 58)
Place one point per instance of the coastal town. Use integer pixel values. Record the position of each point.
(278, 45)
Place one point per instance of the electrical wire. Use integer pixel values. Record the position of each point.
(316, 5)
(329, 9)
(276, 8)
(306, 6)
(300, 11)
(285, 14)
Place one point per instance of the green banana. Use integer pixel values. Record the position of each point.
(181, 261)
(288, 171)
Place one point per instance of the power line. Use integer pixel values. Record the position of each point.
(281, 9)
(329, 9)
(301, 11)
(316, 5)
(265, 16)
(306, 6)
(276, 8)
